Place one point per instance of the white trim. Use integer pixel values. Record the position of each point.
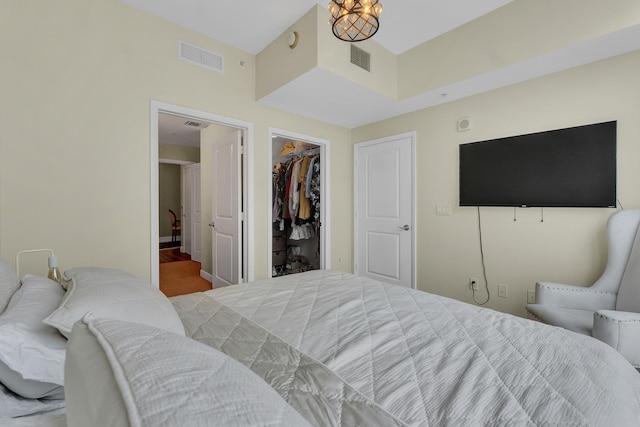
(176, 162)
(206, 276)
(325, 192)
(413, 136)
(167, 239)
(157, 107)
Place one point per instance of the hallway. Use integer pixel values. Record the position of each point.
(179, 274)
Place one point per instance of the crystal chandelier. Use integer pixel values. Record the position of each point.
(354, 20)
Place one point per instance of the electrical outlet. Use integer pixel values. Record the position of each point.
(531, 297)
(473, 284)
(502, 291)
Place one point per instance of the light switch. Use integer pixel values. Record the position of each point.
(443, 210)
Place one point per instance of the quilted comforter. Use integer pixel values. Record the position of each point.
(346, 350)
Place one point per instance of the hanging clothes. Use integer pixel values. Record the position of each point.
(304, 212)
(277, 194)
(296, 206)
(314, 194)
(302, 232)
(309, 175)
(287, 190)
(294, 191)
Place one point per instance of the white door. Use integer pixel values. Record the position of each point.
(196, 214)
(384, 175)
(185, 214)
(226, 211)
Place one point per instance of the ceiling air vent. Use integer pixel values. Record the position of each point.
(194, 124)
(360, 58)
(196, 55)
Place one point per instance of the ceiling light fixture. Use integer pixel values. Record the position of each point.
(354, 20)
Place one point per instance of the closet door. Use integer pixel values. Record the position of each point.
(384, 210)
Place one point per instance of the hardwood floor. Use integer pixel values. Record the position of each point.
(173, 255)
(180, 275)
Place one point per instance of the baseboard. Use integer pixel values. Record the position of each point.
(206, 276)
(167, 239)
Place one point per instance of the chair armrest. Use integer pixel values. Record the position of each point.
(621, 330)
(578, 297)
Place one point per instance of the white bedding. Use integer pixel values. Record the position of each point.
(345, 350)
(430, 360)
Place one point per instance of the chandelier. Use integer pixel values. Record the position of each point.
(354, 20)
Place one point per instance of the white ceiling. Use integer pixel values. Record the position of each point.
(242, 24)
(403, 25)
(174, 130)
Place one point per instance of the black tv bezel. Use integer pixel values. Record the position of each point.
(534, 204)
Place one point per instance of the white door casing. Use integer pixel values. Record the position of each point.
(196, 213)
(226, 211)
(185, 209)
(384, 241)
(325, 192)
(247, 195)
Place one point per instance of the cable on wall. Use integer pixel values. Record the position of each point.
(484, 269)
(621, 207)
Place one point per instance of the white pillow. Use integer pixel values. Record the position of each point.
(125, 374)
(9, 283)
(32, 353)
(113, 294)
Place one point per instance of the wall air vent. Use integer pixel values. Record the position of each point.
(196, 55)
(194, 124)
(360, 58)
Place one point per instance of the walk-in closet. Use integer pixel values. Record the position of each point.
(296, 200)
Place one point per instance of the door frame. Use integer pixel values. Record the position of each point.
(325, 187)
(188, 211)
(182, 164)
(247, 128)
(412, 136)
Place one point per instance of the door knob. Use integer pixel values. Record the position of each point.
(405, 227)
(212, 224)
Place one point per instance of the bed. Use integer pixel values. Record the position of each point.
(324, 348)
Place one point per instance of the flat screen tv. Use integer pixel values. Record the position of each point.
(572, 167)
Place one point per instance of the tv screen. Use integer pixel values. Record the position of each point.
(572, 167)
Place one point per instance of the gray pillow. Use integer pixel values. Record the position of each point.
(129, 374)
(9, 284)
(32, 354)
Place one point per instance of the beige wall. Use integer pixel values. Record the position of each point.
(569, 246)
(520, 30)
(169, 196)
(278, 64)
(169, 182)
(74, 108)
(335, 56)
(178, 152)
(317, 47)
(75, 101)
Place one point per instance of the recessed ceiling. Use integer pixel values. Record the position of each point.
(251, 25)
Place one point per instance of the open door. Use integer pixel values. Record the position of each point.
(196, 214)
(226, 211)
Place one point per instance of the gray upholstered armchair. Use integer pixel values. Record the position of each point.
(608, 310)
